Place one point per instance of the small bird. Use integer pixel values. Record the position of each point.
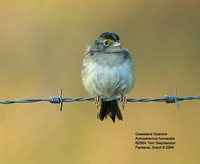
(107, 72)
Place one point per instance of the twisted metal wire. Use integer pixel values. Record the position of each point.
(60, 100)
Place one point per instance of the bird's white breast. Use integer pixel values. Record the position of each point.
(108, 81)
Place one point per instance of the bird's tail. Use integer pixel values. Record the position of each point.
(110, 108)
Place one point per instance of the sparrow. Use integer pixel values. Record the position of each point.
(108, 72)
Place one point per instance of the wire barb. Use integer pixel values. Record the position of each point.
(173, 99)
(57, 99)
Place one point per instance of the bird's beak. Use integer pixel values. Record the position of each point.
(116, 44)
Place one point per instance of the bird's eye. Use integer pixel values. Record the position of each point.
(106, 43)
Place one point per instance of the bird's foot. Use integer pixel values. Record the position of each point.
(123, 101)
(98, 102)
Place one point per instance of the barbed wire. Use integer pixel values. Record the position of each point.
(60, 99)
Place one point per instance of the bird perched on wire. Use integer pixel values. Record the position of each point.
(108, 71)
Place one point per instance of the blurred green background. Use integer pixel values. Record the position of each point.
(41, 51)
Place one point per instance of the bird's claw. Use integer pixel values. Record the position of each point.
(98, 102)
(123, 101)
